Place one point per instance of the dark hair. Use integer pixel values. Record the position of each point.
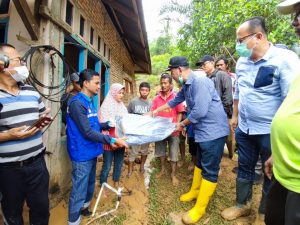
(144, 84)
(86, 75)
(255, 23)
(166, 76)
(4, 45)
(222, 57)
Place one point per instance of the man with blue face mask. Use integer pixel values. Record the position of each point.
(264, 74)
(23, 172)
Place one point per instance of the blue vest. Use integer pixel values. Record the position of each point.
(79, 147)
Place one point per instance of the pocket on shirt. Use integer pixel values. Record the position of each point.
(264, 76)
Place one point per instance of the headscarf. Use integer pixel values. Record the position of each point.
(110, 107)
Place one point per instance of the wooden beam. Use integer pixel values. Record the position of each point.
(134, 42)
(45, 12)
(122, 9)
(27, 18)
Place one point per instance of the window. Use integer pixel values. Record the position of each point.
(92, 36)
(108, 54)
(128, 86)
(69, 13)
(104, 53)
(4, 6)
(82, 23)
(3, 30)
(99, 44)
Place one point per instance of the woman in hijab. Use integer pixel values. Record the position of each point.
(112, 106)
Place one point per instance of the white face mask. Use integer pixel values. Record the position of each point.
(21, 74)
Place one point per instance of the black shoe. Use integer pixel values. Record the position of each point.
(85, 212)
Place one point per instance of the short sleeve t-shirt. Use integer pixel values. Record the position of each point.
(139, 106)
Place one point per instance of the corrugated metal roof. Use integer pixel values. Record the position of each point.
(128, 18)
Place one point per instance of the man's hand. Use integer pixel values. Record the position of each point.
(234, 123)
(120, 143)
(179, 127)
(19, 133)
(269, 167)
(46, 122)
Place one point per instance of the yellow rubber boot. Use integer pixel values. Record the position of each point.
(194, 191)
(207, 189)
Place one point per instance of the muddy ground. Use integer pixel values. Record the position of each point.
(160, 205)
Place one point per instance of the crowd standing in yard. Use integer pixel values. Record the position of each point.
(259, 105)
(264, 74)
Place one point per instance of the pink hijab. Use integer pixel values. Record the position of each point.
(110, 107)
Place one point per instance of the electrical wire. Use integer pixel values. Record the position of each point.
(37, 58)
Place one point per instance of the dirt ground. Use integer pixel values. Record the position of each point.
(165, 207)
(160, 205)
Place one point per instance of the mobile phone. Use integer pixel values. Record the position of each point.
(39, 122)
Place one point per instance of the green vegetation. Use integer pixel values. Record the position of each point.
(210, 27)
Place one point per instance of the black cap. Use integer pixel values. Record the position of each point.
(177, 61)
(205, 59)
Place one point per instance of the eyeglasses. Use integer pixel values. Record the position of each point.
(241, 40)
(19, 59)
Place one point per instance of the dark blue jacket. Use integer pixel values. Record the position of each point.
(84, 138)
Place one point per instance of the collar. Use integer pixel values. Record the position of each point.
(21, 86)
(190, 79)
(267, 55)
(86, 97)
(213, 74)
(163, 97)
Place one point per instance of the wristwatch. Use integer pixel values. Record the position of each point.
(182, 124)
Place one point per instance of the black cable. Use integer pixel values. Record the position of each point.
(36, 58)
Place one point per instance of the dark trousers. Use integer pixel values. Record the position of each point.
(209, 155)
(108, 157)
(283, 206)
(249, 149)
(28, 183)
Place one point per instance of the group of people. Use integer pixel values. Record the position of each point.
(263, 117)
(265, 111)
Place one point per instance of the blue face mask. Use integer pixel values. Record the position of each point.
(242, 50)
(180, 79)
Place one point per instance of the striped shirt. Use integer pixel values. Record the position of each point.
(15, 111)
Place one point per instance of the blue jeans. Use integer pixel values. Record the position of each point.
(108, 156)
(249, 149)
(209, 155)
(83, 185)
